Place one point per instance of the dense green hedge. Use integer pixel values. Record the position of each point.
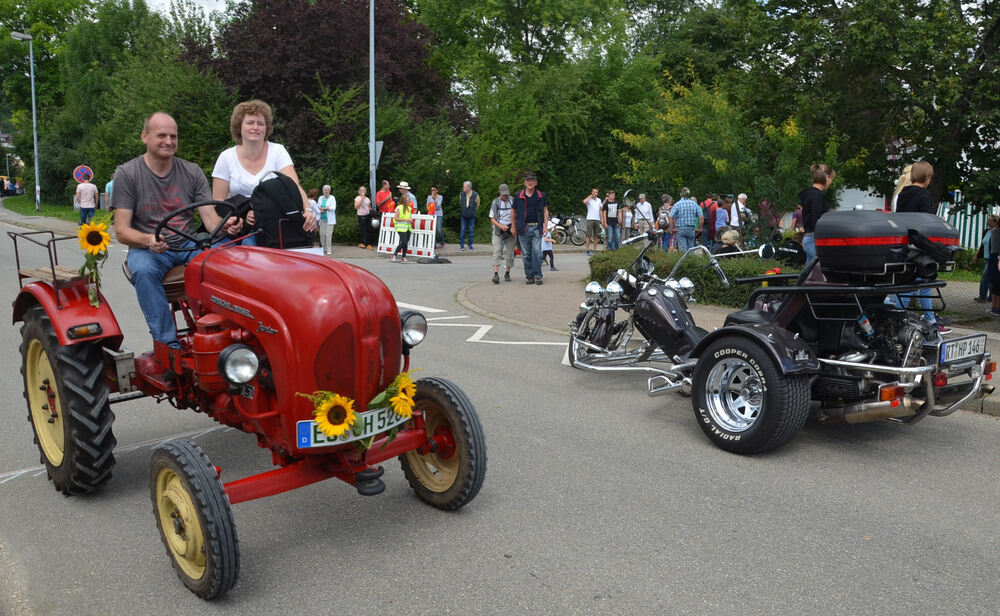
(708, 287)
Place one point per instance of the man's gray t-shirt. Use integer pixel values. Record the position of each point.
(500, 210)
(152, 198)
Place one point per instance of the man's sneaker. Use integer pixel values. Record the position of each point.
(462, 248)
(470, 247)
(393, 258)
(529, 280)
(995, 312)
(588, 253)
(496, 278)
(538, 281)
(403, 259)
(506, 277)
(553, 269)
(943, 330)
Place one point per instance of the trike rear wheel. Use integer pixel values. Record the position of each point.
(67, 406)
(194, 519)
(741, 400)
(452, 473)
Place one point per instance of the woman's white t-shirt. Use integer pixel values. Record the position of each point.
(241, 181)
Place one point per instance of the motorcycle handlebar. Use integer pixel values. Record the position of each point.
(721, 274)
(649, 235)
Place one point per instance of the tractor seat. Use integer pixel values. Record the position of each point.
(173, 281)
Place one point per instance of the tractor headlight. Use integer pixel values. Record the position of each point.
(613, 291)
(414, 328)
(238, 364)
(593, 291)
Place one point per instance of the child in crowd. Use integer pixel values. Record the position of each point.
(547, 248)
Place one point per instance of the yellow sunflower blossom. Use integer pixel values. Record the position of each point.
(405, 385)
(94, 238)
(335, 415)
(402, 405)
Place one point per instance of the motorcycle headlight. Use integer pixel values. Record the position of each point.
(593, 291)
(414, 327)
(238, 364)
(673, 284)
(613, 291)
(686, 286)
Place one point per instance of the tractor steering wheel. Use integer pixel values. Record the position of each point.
(201, 240)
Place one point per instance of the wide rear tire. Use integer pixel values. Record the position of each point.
(68, 406)
(452, 474)
(194, 519)
(742, 402)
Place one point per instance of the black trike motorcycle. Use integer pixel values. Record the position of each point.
(830, 343)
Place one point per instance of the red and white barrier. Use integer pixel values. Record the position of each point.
(422, 235)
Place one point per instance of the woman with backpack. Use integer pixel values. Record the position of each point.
(240, 168)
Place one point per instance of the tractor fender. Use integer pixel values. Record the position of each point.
(71, 307)
(790, 353)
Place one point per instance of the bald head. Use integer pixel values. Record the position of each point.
(159, 134)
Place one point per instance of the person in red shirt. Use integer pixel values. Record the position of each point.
(709, 207)
(383, 199)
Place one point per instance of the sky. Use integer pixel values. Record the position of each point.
(209, 5)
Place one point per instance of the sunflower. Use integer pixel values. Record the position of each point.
(402, 405)
(94, 238)
(404, 385)
(335, 415)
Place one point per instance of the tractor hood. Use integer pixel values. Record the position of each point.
(324, 324)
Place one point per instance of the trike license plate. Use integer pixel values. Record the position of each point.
(962, 348)
(368, 423)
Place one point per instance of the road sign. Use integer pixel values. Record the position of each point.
(83, 173)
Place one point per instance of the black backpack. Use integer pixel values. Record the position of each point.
(277, 207)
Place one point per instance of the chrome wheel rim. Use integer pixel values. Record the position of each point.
(734, 395)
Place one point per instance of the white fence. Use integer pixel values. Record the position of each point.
(421, 237)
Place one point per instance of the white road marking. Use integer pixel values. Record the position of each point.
(150, 444)
(481, 330)
(420, 308)
(462, 316)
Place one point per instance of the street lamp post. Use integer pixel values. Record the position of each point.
(20, 36)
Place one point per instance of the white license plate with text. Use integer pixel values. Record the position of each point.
(371, 422)
(962, 348)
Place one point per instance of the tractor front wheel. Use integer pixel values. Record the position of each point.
(194, 518)
(451, 474)
(68, 406)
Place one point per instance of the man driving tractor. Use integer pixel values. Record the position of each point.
(147, 189)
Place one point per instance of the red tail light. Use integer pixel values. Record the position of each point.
(940, 379)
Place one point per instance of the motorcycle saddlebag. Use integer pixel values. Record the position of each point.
(860, 241)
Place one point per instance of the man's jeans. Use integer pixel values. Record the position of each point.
(148, 269)
(614, 237)
(530, 238)
(468, 225)
(685, 238)
(809, 246)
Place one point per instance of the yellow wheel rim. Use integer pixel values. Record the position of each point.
(180, 524)
(44, 403)
(435, 473)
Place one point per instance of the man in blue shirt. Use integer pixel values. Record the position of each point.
(688, 219)
(531, 216)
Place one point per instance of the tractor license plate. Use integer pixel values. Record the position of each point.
(371, 422)
(962, 348)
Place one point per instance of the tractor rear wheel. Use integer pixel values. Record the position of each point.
(67, 406)
(194, 519)
(452, 474)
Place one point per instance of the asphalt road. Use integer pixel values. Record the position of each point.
(597, 500)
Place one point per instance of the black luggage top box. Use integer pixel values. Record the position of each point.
(872, 242)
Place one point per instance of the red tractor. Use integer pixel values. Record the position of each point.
(316, 367)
